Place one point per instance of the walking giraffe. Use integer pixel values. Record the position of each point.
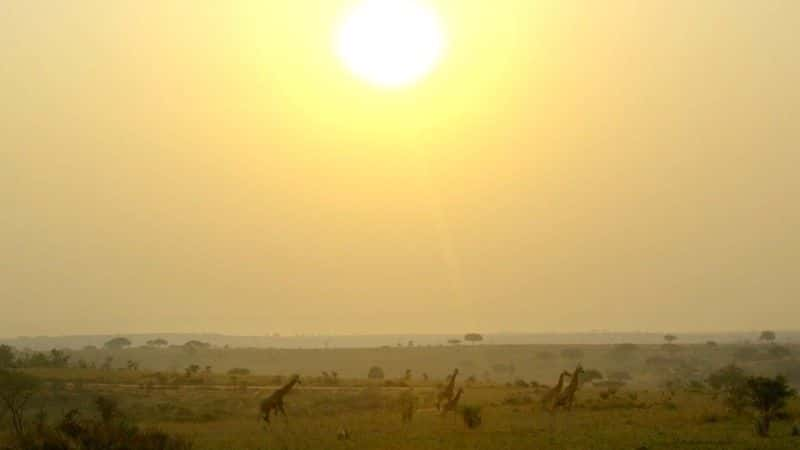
(447, 392)
(549, 398)
(274, 403)
(566, 399)
(452, 404)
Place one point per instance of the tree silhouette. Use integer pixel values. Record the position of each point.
(117, 343)
(375, 373)
(16, 389)
(473, 337)
(768, 396)
(767, 335)
(6, 356)
(157, 342)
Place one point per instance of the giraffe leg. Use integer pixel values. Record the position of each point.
(283, 412)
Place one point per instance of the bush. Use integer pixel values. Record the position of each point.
(16, 389)
(768, 396)
(375, 373)
(472, 416)
(731, 381)
(72, 433)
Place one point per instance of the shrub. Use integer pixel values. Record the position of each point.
(471, 416)
(375, 373)
(731, 381)
(768, 396)
(16, 389)
(72, 433)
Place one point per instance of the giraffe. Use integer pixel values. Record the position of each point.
(275, 401)
(452, 404)
(567, 397)
(447, 392)
(550, 396)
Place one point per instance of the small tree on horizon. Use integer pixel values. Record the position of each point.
(670, 338)
(118, 343)
(767, 336)
(159, 342)
(473, 337)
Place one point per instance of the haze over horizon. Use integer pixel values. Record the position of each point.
(568, 166)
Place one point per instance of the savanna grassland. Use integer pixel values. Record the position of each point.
(631, 397)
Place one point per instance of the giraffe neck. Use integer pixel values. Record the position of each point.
(287, 387)
(573, 384)
(560, 384)
(452, 382)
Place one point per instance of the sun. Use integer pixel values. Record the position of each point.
(390, 43)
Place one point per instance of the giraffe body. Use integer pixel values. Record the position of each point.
(566, 399)
(274, 403)
(452, 404)
(446, 394)
(552, 395)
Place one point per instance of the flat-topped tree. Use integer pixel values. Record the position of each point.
(117, 343)
(157, 342)
(767, 336)
(473, 337)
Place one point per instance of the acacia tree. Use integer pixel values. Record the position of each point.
(118, 343)
(473, 337)
(768, 396)
(670, 338)
(157, 342)
(6, 356)
(767, 336)
(16, 389)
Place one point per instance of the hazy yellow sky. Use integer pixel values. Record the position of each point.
(570, 165)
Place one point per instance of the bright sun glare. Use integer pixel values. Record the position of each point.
(390, 43)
